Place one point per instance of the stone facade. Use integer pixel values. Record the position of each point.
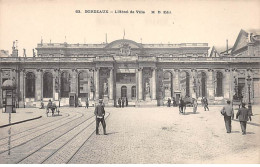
(147, 74)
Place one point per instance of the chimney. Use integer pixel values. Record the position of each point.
(227, 46)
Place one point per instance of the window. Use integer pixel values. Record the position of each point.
(30, 85)
(133, 91)
(123, 91)
(219, 89)
(47, 85)
(65, 84)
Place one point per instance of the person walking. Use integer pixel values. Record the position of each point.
(100, 117)
(169, 102)
(228, 113)
(195, 105)
(173, 102)
(243, 115)
(181, 105)
(87, 103)
(123, 102)
(119, 102)
(205, 102)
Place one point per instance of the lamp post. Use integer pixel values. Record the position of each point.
(249, 79)
(195, 87)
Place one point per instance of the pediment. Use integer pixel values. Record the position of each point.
(123, 43)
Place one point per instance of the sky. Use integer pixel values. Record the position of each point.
(198, 21)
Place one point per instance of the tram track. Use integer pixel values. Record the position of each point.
(71, 146)
(23, 143)
(36, 127)
(37, 154)
(69, 160)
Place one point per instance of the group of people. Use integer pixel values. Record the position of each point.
(122, 102)
(243, 115)
(182, 104)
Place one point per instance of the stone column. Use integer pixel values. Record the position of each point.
(111, 84)
(177, 80)
(232, 84)
(96, 83)
(210, 84)
(38, 86)
(192, 79)
(249, 73)
(154, 84)
(73, 84)
(140, 84)
(227, 81)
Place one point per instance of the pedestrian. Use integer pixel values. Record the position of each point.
(119, 102)
(205, 102)
(228, 113)
(126, 102)
(49, 105)
(169, 102)
(195, 104)
(243, 115)
(123, 102)
(100, 117)
(87, 102)
(181, 105)
(42, 104)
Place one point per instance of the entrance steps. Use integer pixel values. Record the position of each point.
(146, 103)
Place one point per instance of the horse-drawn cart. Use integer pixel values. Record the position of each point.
(53, 109)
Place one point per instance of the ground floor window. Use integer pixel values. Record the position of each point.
(123, 91)
(133, 92)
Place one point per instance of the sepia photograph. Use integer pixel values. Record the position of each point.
(129, 82)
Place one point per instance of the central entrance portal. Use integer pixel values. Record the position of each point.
(125, 85)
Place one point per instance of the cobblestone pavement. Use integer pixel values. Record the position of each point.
(135, 135)
(162, 135)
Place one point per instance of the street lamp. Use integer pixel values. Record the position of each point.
(249, 101)
(195, 87)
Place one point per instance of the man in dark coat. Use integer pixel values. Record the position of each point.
(119, 102)
(228, 113)
(126, 102)
(205, 102)
(87, 103)
(100, 117)
(243, 115)
(181, 105)
(169, 102)
(123, 102)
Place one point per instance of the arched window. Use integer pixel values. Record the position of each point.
(133, 91)
(47, 85)
(203, 84)
(123, 91)
(83, 85)
(167, 82)
(65, 84)
(30, 85)
(219, 89)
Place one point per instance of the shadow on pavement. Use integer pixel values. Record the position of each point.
(111, 133)
(250, 123)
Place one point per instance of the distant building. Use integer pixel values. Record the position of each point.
(147, 74)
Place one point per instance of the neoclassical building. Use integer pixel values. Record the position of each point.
(147, 74)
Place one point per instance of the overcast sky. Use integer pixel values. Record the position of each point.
(189, 22)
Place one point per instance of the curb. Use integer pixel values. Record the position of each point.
(20, 122)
